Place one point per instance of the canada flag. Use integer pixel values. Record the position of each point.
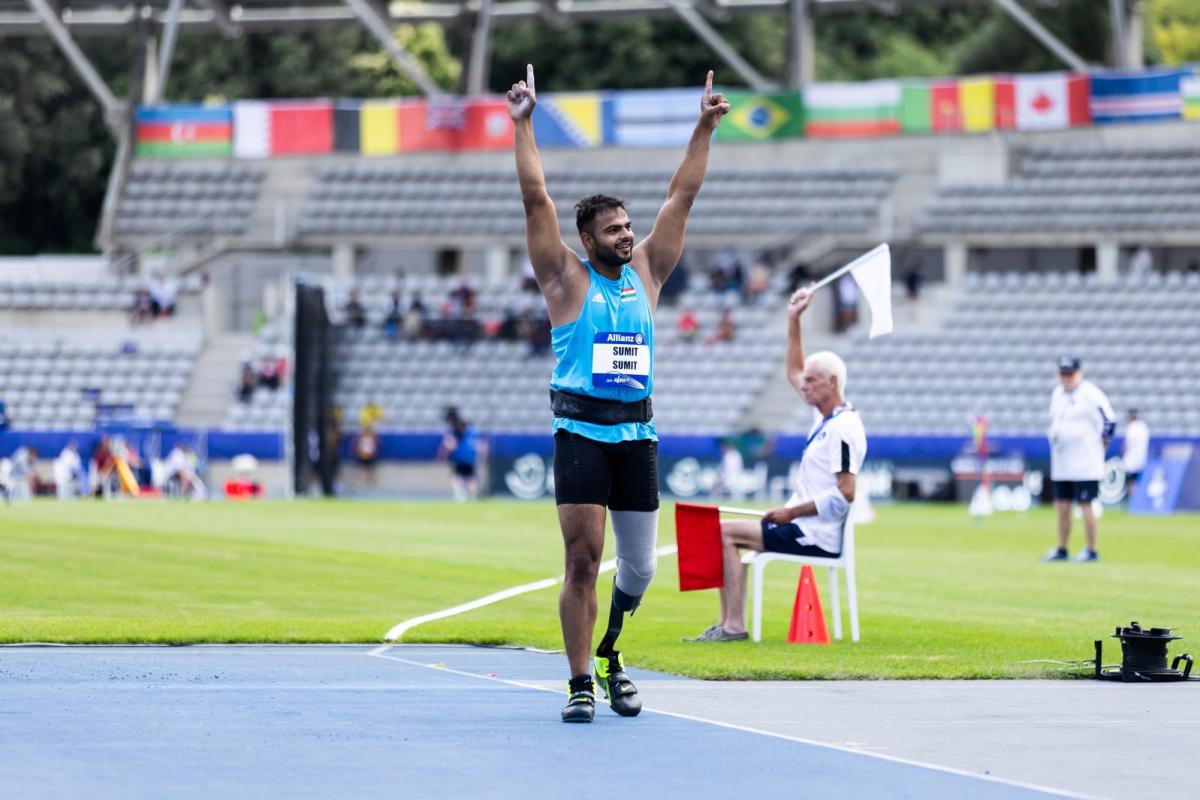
(1049, 101)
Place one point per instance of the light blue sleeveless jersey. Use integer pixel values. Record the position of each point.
(608, 352)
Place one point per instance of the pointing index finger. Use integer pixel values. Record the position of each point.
(708, 83)
(529, 77)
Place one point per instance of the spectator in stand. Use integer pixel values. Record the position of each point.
(726, 328)
(528, 280)
(416, 321)
(1142, 261)
(246, 383)
(508, 330)
(760, 280)
(799, 275)
(913, 279)
(687, 326)
(465, 295)
(728, 275)
(394, 318)
(68, 472)
(539, 334)
(268, 373)
(847, 303)
(163, 291)
(1135, 450)
(356, 314)
(143, 308)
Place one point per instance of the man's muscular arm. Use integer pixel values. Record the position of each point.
(552, 260)
(662, 248)
(799, 301)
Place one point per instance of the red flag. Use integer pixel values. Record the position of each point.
(698, 534)
(300, 127)
(426, 125)
(1079, 92)
(487, 126)
(947, 110)
(1006, 104)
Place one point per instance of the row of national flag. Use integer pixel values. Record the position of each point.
(666, 117)
(266, 128)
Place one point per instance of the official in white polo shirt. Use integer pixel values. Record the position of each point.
(811, 523)
(1082, 422)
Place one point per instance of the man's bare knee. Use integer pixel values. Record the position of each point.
(582, 568)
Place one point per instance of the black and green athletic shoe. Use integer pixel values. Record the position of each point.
(621, 693)
(582, 705)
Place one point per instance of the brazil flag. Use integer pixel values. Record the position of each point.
(757, 117)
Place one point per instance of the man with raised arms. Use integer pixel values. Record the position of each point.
(605, 443)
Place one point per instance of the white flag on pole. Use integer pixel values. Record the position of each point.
(873, 274)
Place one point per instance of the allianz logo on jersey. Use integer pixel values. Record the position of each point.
(624, 338)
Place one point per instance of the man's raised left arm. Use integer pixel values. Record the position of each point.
(664, 246)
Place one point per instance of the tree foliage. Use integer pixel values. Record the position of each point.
(1174, 27)
(55, 153)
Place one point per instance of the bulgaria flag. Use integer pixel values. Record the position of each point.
(845, 110)
(1050, 101)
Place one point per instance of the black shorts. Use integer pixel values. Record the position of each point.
(622, 476)
(1077, 491)
(464, 470)
(782, 539)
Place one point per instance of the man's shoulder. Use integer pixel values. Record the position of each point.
(850, 422)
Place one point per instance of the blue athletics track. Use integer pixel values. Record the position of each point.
(403, 721)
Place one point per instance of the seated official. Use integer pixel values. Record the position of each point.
(811, 523)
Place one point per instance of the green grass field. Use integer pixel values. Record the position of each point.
(940, 596)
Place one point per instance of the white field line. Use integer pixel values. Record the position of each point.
(400, 629)
(383, 652)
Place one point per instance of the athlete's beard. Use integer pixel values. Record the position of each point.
(608, 257)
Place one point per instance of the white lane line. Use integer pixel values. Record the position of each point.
(400, 629)
(746, 729)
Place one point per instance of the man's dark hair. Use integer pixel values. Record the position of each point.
(587, 208)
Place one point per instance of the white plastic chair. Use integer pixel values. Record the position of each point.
(758, 563)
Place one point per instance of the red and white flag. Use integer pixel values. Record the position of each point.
(1051, 100)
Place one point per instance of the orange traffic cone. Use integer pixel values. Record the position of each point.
(808, 621)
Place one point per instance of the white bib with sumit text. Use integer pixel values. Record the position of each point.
(620, 359)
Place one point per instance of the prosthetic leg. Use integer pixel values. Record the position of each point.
(635, 533)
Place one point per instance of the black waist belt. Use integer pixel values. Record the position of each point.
(597, 411)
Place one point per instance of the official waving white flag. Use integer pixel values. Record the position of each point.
(873, 273)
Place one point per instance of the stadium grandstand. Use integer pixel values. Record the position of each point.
(1021, 226)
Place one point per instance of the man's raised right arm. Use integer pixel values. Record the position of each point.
(798, 302)
(547, 252)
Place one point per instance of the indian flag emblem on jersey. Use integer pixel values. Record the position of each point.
(628, 293)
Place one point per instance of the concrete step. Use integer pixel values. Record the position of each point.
(214, 380)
